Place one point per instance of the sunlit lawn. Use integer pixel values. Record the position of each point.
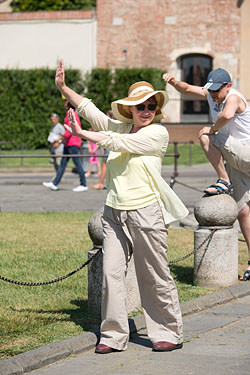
(38, 247)
(27, 162)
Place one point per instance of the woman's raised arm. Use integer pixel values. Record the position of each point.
(69, 94)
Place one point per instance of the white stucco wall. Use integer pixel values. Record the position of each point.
(31, 44)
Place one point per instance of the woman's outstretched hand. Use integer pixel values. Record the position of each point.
(74, 127)
(60, 75)
(67, 92)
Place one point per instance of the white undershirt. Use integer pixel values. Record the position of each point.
(239, 125)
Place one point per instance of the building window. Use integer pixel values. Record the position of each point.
(194, 70)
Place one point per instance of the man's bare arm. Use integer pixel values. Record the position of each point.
(185, 88)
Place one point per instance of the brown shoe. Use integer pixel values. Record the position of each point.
(103, 349)
(164, 346)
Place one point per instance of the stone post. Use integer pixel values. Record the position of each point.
(216, 261)
(95, 271)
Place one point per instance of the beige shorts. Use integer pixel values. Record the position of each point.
(236, 153)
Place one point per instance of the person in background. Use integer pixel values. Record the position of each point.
(72, 146)
(93, 159)
(56, 132)
(104, 153)
(227, 140)
(139, 207)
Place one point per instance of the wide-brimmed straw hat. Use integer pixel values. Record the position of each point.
(138, 93)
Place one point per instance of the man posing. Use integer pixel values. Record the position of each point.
(56, 132)
(227, 140)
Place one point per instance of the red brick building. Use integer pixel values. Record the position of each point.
(185, 38)
(157, 32)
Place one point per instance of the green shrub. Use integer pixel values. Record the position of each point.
(34, 5)
(126, 77)
(104, 86)
(98, 86)
(27, 97)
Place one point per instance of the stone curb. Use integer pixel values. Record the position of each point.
(45, 355)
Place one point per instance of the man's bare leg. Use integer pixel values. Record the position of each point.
(215, 157)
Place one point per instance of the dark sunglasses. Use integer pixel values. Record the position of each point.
(218, 89)
(150, 107)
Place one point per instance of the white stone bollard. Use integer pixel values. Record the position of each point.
(95, 272)
(216, 260)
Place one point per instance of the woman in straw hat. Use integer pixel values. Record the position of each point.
(139, 207)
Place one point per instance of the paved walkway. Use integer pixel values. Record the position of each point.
(23, 190)
(216, 342)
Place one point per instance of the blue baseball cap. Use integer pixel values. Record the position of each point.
(217, 78)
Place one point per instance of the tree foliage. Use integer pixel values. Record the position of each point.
(34, 5)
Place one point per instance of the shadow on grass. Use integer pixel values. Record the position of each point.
(79, 316)
(78, 311)
(183, 274)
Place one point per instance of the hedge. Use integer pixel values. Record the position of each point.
(28, 97)
(35, 5)
(104, 86)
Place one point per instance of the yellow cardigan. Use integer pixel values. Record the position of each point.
(133, 174)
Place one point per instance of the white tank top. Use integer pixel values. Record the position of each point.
(239, 125)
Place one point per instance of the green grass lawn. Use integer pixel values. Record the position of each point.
(30, 162)
(188, 155)
(43, 246)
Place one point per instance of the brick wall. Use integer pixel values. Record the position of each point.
(155, 32)
(46, 15)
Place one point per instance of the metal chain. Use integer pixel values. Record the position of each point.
(208, 238)
(188, 186)
(241, 240)
(23, 283)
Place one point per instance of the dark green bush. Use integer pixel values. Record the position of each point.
(104, 86)
(98, 86)
(27, 97)
(34, 5)
(123, 78)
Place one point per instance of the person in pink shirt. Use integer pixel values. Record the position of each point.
(72, 146)
(93, 150)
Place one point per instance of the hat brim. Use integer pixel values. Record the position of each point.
(213, 86)
(122, 112)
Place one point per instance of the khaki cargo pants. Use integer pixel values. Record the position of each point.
(143, 233)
